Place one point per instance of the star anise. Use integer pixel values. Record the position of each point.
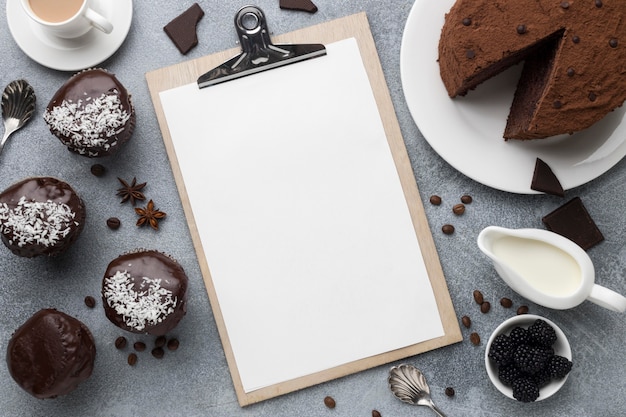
(131, 192)
(149, 215)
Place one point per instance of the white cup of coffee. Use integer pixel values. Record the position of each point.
(66, 18)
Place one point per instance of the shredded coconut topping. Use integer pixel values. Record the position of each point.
(33, 222)
(148, 306)
(90, 123)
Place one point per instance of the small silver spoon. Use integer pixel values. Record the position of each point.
(409, 385)
(18, 106)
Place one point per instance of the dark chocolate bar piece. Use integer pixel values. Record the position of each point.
(182, 29)
(302, 5)
(573, 221)
(545, 181)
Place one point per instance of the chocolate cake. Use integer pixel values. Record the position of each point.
(40, 216)
(145, 292)
(91, 113)
(50, 354)
(574, 52)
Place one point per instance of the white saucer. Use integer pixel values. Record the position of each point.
(71, 54)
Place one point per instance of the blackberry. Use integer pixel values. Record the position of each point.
(559, 366)
(501, 350)
(531, 359)
(541, 333)
(519, 336)
(542, 378)
(525, 390)
(509, 373)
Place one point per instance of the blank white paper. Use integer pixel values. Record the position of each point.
(302, 218)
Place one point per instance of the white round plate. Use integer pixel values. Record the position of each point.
(467, 131)
(71, 54)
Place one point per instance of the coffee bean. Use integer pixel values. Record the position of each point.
(173, 344)
(506, 302)
(376, 413)
(90, 301)
(435, 200)
(120, 342)
(98, 170)
(485, 307)
(467, 322)
(449, 391)
(475, 339)
(522, 310)
(158, 352)
(329, 402)
(478, 297)
(139, 346)
(132, 359)
(458, 209)
(160, 341)
(466, 199)
(113, 223)
(447, 229)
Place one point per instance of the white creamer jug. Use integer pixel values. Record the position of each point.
(546, 268)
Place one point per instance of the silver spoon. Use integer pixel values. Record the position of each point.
(18, 106)
(409, 385)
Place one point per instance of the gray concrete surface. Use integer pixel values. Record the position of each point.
(194, 380)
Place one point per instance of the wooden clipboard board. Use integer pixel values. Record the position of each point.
(354, 26)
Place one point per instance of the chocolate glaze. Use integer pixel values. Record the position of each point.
(50, 354)
(153, 265)
(42, 189)
(90, 84)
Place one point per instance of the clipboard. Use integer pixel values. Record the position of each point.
(357, 27)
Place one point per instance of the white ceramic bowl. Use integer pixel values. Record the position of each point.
(561, 347)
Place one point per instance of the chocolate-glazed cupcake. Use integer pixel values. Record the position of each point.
(91, 113)
(50, 354)
(40, 216)
(145, 292)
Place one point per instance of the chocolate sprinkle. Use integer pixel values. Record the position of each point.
(565, 4)
(470, 54)
(521, 29)
(598, 3)
(557, 104)
(613, 43)
(575, 39)
(592, 96)
(467, 21)
(570, 72)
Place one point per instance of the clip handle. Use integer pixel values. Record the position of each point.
(257, 51)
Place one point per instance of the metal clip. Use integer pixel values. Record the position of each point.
(258, 53)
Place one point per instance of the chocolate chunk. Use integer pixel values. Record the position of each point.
(545, 181)
(182, 29)
(573, 221)
(301, 5)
